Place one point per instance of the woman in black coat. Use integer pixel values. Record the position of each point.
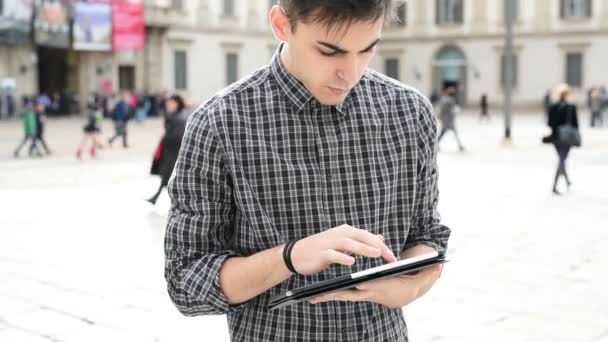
(175, 125)
(561, 113)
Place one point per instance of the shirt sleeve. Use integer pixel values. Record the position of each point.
(426, 226)
(199, 229)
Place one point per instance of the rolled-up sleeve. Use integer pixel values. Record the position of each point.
(426, 228)
(199, 229)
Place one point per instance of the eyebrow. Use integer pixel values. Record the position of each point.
(342, 51)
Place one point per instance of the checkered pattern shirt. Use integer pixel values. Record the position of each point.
(263, 163)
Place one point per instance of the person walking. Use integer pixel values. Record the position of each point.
(175, 125)
(40, 128)
(448, 109)
(120, 116)
(483, 104)
(91, 129)
(595, 105)
(563, 121)
(141, 111)
(30, 130)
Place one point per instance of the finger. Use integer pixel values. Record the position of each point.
(344, 296)
(389, 256)
(367, 238)
(336, 257)
(434, 270)
(372, 240)
(350, 296)
(356, 247)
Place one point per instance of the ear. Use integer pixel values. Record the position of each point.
(280, 23)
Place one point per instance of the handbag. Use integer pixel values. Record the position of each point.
(157, 161)
(567, 134)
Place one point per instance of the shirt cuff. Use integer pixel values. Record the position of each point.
(206, 271)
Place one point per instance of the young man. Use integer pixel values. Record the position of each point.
(317, 150)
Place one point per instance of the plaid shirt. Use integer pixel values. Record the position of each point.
(263, 162)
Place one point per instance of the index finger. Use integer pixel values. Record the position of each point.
(376, 241)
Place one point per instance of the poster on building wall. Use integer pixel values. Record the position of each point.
(92, 26)
(52, 23)
(15, 19)
(128, 29)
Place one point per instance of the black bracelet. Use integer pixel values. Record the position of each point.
(287, 256)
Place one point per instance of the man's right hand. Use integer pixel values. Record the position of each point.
(335, 246)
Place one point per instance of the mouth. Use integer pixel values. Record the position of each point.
(337, 91)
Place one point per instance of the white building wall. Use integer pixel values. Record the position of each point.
(542, 39)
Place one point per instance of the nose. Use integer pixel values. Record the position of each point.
(348, 70)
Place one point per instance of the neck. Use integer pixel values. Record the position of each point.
(286, 60)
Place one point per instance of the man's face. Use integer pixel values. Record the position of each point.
(331, 63)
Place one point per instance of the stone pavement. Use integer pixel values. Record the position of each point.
(81, 253)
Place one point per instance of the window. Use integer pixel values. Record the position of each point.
(232, 61)
(503, 71)
(126, 77)
(574, 69)
(449, 12)
(228, 8)
(576, 9)
(180, 69)
(391, 67)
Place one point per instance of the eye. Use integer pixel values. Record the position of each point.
(370, 50)
(328, 54)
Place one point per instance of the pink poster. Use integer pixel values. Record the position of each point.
(128, 27)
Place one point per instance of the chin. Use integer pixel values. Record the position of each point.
(330, 100)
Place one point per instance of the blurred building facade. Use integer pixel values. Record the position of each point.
(462, 42)
(207, 44)
(197, 47)
(436, 43)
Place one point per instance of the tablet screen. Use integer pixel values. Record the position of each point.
(400, 263)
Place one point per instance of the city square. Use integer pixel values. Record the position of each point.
(82, 252)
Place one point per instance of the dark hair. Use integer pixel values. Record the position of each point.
(180, 102)
(338, 14)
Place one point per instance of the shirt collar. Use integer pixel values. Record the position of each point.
(295, 90)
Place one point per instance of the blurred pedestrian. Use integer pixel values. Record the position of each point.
(29, 129)
(120, 116)
(40, 123)
(45, 100)
(7, 98)
(141, 111)
(604, 103)
(563, 121)
(595, 105)
(448, 109)
(55, 107)
(485, 115)
(166, 156)
(547, 101)
(91, 129)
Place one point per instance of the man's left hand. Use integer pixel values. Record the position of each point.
(393, 292)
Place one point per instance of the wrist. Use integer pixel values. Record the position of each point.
(287, 256)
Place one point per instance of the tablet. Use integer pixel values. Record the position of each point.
(406, 266)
